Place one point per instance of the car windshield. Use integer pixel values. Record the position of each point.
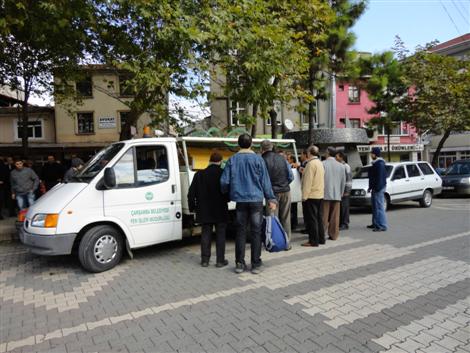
(364, 172)
(459, 169)
(98, 162)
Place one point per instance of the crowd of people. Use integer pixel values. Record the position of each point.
(22, 182)
(249, 179)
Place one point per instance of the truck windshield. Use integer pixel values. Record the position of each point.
(98, 162)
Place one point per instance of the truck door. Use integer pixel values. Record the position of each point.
(145, 197)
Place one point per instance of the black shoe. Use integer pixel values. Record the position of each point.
(379, 230)
(304, 231)
(371, 226)
(204, 263)
(344, 227)
(289, 247)
(256, 270)
(221, 264)
(239, 267)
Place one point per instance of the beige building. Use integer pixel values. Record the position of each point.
(97, 120)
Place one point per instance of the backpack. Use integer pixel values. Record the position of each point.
(274, 236)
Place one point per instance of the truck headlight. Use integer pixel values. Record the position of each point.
(45, 220)
(363, 193)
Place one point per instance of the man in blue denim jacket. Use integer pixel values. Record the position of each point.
(246, 179)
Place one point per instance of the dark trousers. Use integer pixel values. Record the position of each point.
(206, 243)
(10, 204)
(252, 213)
(314, 221)
(294, 221)
(344, 212)
(2, 201)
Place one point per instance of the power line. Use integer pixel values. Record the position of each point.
(460, 12)
(448, 14)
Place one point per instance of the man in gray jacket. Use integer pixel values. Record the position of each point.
(335, 181)
(24, 183)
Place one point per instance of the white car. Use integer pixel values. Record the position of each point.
(415, 181)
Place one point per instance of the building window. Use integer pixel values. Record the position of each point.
(341, 88)
(125, 90)
(123, 118)
(85, 87)
(85, 123)
(355, 123)
(35, 129)
(354, 94)
(236, 110)
(398, 129)
(446, 158)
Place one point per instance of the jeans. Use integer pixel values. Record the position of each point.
(220, 229)
(379, 218)
(251, 212)
(25, 200)
(313, 214)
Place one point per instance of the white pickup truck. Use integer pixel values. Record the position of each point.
(130, 195)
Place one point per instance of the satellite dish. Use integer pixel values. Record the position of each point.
(288, 124)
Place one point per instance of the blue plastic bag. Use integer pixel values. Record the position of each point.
(274, 236)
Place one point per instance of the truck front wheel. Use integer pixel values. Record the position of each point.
(100, 249)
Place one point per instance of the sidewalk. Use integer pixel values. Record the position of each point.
(7, 229)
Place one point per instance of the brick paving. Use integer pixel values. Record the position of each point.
(406, 290)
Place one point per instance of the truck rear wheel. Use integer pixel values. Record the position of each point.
(100, 249)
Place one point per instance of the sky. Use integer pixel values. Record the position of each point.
(415, 21)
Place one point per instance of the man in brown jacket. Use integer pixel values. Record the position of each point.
(313, 181)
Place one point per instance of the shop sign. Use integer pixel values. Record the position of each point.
(393, 148)
(107, 122)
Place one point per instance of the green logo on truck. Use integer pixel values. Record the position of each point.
(149, 196)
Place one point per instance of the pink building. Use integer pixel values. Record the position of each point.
(352, 104)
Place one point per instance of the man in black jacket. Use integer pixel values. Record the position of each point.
(206, 199)
(281, 176)
(52, 173)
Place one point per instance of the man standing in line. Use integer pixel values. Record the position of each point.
(281, 176)
(335, 181)
(312, 195)
(246, 179)
(52, 173)
(24, 183)
(377, 185)
(344, 207)
(206, 198)
(9, 202)
(77, 165)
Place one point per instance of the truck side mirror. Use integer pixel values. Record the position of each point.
(109, 178)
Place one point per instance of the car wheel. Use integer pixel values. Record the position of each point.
(100, 249)
(387, 203)
(426, 200)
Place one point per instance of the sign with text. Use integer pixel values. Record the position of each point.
(107, 122)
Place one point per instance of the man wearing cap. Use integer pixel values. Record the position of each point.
(377, 185)
(206, 199)
(335, 182)
(246, 179)
(281, 176)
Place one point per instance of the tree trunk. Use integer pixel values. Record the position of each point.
(24, 125)
(311, 107)
(273, 116)
(255, 123)
(435, 157)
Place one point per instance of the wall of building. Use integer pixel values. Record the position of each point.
(8, 128)
(102, 106)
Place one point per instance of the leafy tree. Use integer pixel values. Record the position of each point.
(250, 44)
(37, 37)
(152, 43)
(328, 42)
(439, 96)
(386, 87)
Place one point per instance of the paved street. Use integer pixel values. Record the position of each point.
(406, 290)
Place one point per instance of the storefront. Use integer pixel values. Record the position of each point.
(398, 153)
